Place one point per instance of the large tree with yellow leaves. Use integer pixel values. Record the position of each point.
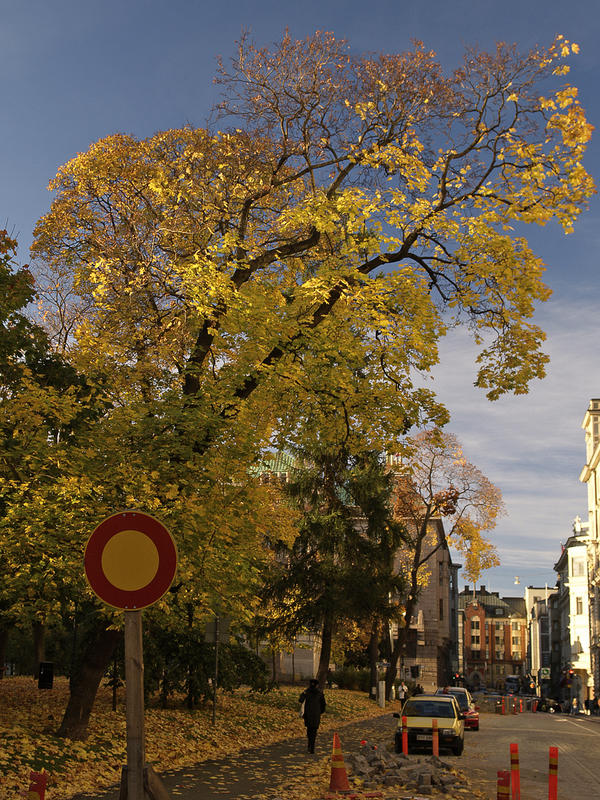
(373, 189)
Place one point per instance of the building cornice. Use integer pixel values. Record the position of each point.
(585, 474)
(587, 471)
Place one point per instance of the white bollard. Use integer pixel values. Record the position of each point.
(382, 694)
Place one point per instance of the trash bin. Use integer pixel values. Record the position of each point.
(46, 675)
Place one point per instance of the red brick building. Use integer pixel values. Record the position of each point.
(492, 635)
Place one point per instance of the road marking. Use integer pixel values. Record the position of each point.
(566, 749)
(580, 727)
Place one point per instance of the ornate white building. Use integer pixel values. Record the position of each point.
(572, 614)
(590, 475)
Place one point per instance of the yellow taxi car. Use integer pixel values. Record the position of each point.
(420, 711)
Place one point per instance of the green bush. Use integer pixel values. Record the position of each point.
(181, 661)
(352, 678)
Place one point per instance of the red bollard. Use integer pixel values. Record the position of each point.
(515, 773)
(521, 705)
(534, 706)
(553, 774)
(503, 790)
(435, 737)
(404, 735)
(39, 781)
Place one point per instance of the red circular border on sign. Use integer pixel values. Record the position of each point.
(167, 560)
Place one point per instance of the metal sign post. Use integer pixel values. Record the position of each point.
(134, 699)
(216, 679)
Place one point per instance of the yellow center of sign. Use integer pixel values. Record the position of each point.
(130, 560)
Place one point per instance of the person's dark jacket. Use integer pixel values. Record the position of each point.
(314, 706)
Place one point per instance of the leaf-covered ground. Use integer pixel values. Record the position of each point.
(175, 737)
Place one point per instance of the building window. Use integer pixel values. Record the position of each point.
(498, 640)
(578, 566)
(579, 605)
(475, 640)
(441, 609)
(516, 640)
(515, 626)
(516, 654)
(475, 623)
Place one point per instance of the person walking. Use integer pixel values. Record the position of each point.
(314, 705)
(402, 692)
(575, 706)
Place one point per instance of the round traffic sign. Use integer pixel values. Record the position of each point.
(130, 560)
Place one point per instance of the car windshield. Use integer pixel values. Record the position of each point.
(460, 697)
(463, 700)
(428, 708)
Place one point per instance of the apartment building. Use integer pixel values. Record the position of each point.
(571, 616)
(492, 635)
(590, 475)
(539, 646)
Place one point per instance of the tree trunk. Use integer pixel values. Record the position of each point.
(373, 654)
(399, 647)
(39, 646)
(85, 683)
(3, 643)
(325, 657)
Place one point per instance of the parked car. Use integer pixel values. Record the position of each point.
(466, 705)
(512, 684)
(550, 705)
(420, 711)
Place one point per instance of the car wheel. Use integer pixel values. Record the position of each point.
(458, 747)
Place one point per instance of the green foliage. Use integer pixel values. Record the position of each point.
(352, 678)
(340, 567)
(183, 662)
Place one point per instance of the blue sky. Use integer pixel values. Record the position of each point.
(73, 71)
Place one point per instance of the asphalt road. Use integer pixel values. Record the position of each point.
(578, 740)
(259, 771)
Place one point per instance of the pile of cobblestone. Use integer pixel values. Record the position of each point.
(376, 768)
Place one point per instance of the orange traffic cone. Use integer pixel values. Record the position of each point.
(339, 776)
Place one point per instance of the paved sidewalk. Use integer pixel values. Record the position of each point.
(259, 770)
